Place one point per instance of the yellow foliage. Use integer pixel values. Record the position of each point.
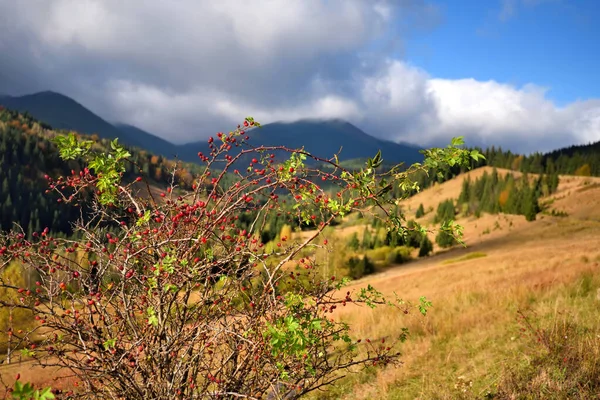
(516, 164)
(158, 174)
(286, 232)
(584, 170)
(503, 198)
(12, 275)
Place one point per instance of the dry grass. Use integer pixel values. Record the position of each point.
(470, 331)
(40, 377)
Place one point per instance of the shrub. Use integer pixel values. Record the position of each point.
(414, 235)
(399, 255)
(174, 296)
(359, 267)
(380, 254)
(445, 211)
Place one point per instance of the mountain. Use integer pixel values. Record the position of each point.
(145, 140)
(62, 112)
(323, 138)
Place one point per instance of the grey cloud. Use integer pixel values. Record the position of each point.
(186, 68)
(265, 52)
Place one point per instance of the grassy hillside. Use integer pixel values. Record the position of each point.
(547, 268)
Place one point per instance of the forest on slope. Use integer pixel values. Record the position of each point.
(29, 159)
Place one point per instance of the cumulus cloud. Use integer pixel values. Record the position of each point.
(407, 104)
(186, 68)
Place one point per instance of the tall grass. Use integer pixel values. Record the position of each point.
(472, 346)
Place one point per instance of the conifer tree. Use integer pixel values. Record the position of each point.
(353, 243)
(420, 211)
(425, 247)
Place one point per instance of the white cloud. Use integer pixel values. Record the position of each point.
(408, 104)
(186, 68)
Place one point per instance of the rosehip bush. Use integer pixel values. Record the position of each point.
(168, 296)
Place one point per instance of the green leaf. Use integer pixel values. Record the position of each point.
(424, 304)
(457, 141)
(109, 343)
(152, 319)
(27, 353)
(378, 160)
(144, 219)
(404, 335)
(46, 394)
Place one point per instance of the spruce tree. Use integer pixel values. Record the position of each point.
(530, 205)
(465, 192)
(425, 247)
(420, 211)
(414, 236)
(353, 243)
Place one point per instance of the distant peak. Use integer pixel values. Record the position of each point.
(49, 93)
(313, 121)
(45, 95)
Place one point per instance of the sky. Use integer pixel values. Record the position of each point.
(521, 74)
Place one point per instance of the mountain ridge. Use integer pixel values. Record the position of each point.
(322, 137)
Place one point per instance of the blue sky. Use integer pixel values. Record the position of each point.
(521, 74)
(552, 43)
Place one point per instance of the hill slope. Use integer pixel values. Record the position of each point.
(63, 112)
(549, 266)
